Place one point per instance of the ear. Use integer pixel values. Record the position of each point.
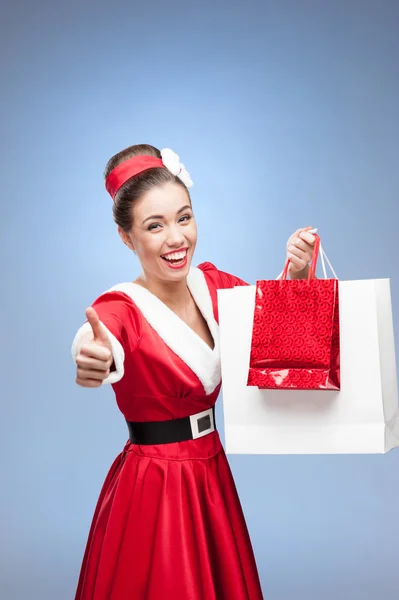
(126, 239)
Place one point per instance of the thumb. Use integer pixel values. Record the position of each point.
(100, 335)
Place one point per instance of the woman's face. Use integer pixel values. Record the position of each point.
(164, 233)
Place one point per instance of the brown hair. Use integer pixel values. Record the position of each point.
(135, 187)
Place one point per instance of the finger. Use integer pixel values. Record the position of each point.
(298, 263)
(92, 374)
(297, 253)
(98, 330)
(88, 383)
(298, 244)
(308, 228)
(93, 350)
(303, 231)
(309, 238)
(87, 362)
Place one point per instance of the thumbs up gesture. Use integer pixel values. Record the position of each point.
(95, 356)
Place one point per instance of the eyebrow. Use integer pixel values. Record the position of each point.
(183, 208)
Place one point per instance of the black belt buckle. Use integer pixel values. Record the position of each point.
(173, 430)
(202, 423)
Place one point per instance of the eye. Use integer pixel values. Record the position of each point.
(184, 218)
(153, 226)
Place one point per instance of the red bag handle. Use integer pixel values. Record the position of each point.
(313, 263)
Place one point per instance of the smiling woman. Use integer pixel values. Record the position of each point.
(168, 522)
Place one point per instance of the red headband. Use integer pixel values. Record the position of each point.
(129, 168)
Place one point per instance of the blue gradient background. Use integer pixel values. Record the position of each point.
(286, 114)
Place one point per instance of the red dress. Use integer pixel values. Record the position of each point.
(168, 523)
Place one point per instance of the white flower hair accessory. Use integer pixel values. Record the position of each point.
(172, 162)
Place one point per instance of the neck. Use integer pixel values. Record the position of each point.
(174, 294)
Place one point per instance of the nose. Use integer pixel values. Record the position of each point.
(175, 237)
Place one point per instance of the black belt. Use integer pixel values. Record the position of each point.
(174, 430)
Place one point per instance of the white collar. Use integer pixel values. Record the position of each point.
(180, 338)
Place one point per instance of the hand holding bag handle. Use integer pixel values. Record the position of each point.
(318, 249)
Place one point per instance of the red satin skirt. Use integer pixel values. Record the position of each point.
(169, 526)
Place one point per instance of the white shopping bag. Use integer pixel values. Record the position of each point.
(362, 417)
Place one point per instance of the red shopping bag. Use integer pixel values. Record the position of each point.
(295, 335)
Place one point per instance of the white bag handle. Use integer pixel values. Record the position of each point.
(323, 256)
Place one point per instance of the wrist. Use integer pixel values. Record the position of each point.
(300, 274)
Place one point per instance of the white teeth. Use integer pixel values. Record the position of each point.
(176, 255)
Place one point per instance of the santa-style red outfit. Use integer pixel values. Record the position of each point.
(168, 524)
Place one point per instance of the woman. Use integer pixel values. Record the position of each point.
(168, 523)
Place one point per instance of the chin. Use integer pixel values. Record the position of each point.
(178, 273)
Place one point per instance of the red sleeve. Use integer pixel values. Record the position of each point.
(121, 317)
(220, 279)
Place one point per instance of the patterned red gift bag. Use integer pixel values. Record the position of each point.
(295, 335)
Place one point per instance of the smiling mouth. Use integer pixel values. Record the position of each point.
(176, 258)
